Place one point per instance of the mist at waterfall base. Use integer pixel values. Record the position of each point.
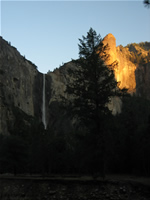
(43, 105)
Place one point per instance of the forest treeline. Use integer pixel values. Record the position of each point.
(31, 149)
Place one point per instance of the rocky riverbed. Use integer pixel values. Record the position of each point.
(29, 188)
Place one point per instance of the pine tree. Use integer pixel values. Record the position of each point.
(147, 3)
(91, 87)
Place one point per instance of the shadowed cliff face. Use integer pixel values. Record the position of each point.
(17, 78)
(142, 74)
(20, 86)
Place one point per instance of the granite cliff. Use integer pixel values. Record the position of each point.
(132, 71)
(133, 64)
(20, 87)
(21, 83)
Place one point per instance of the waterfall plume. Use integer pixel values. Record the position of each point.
(43, 104)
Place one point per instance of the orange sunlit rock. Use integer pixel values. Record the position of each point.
(125, 71)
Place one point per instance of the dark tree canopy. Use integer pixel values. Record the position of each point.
(90, 88)
(92, 83)
(147, 3)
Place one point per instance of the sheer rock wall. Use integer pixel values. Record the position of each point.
(125, 71)
(20, 86)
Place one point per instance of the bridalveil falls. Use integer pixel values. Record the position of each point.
(43, 105)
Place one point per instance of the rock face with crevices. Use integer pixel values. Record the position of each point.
(20, 86)
(125, 71)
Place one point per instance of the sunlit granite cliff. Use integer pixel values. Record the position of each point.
(132, 71)
(130, 61)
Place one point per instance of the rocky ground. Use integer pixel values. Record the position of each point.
(69, 188)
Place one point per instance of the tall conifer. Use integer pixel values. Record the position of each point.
(91, 87)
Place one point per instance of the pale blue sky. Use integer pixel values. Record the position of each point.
(47, 32)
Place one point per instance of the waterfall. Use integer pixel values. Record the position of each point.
(43, 105)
